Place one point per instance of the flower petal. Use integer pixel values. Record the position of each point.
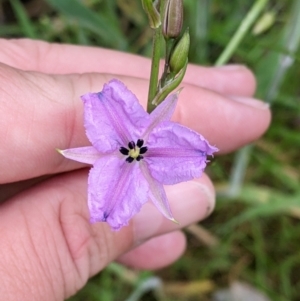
(87, 154)
(163, 112)
(116, 191)
(176, 153)
(113, 117)
(157, 193)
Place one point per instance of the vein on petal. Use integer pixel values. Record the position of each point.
(174, 152)
(157, 193)
(116, 192)
(115, 119)
(86, 154)
(162, 113)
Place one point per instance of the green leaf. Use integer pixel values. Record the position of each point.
(264, 202)
(24, 21)
(98, 23)
(278, 63)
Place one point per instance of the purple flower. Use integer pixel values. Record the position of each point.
(134, 154)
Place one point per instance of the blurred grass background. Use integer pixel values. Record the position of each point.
(254, 234)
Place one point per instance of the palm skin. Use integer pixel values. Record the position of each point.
(48, 247)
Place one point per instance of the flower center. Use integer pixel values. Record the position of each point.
(134, 150)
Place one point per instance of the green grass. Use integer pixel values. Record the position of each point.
(257, 215)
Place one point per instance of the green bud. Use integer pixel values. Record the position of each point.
(172, 19)
(264, 23)
(180, 53)
(149, 7)
(170, 86)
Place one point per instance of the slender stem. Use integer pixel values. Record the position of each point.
(250, 18)
(238, 171)
(153, 85)
(162, 6)
(154, 68)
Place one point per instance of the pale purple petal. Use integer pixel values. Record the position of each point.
(168, 154)
(116, 191)
(176, 153)
(113, 117)
(157, 193)
(87, 154)
(163, 112)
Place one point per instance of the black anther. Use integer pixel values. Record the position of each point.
(124, 150)
(129, 159)
(140, 143)
(105, 216)
(143, 150)
(131, 145)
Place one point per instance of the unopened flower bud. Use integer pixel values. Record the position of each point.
(264, 23)
(180, 53)
(149, 7)
(173, 18)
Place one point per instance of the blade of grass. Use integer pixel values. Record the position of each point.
(10, 30)
(98, 22)
(241, 32)
(281, 63)
(198, 12)
(278, 63)
(149, 284)
(24, 21)
(242, 158)
(265, 203)
(285, 273)
(238, 171)
(259, 250)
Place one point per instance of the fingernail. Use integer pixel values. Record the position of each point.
(232, 67)
(190, 202)
(252, 102)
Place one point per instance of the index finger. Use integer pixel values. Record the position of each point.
(40, 113)
(54, 58)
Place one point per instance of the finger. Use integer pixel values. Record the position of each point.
(44, 57)
(59, 245)
(157, 252)
(40, 113)
(39, 103)
(9, 190)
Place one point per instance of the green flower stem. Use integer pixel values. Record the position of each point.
(155, 63)
(154, 68)
(169, 87)
(248, 21)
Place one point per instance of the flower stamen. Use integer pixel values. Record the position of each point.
(134, 151)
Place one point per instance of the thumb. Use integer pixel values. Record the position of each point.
(50, 246)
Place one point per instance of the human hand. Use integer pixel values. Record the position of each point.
(48, 248)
